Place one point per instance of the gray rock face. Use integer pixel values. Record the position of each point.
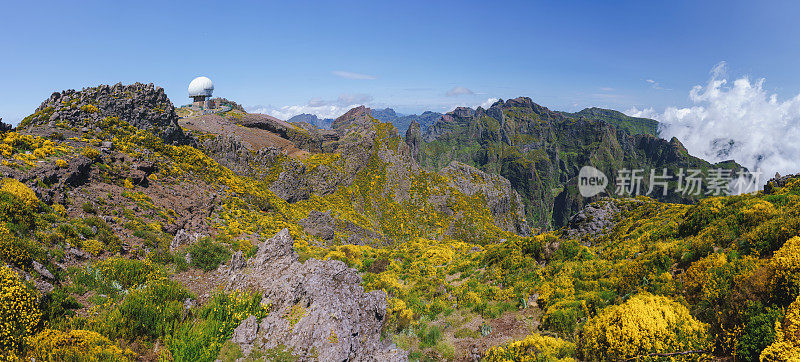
(238, 261)
(182, 237)
(42, 270)
(319, 224)
(502, 200)
(318, 308)
(594, 220)
(143, 106)
(414, 140)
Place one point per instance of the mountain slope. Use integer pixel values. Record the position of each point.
(632, 125)
(122, 245)
(541, 153)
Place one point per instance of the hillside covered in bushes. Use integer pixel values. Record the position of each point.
(129, 233)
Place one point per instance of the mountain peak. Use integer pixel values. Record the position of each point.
(358, 114)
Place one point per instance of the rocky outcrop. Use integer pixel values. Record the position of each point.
(778, 182)
(504, 203)
(414, 140)
(319, 310)
(594, 220)
(183, 238)
(319, 224)
(143, 106)
(403, 121)
(312, 120)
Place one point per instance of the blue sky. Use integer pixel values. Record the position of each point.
(287, 57)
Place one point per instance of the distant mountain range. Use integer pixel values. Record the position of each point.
(402, 121)
(399, 120)
(312, 120)
(541, 151)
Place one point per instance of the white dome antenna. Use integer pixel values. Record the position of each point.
(200, 89)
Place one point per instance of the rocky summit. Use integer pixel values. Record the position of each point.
(132, 230)
(143, 106)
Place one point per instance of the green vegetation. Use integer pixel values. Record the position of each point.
(208, 254)
(632, 125)
(716, 278)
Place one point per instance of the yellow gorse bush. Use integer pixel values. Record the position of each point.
(26, 197)
(27, 148)
(533, 348)
(75, 345)
(786, 266)
(19, 314)
(642, 325)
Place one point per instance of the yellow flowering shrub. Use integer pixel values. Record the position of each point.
(785, 264)
(533, 348)
(14, 250)
(89, 108)
(93, 246)
(18, 313)
(26, 197)
(294, 314)
(18, 204)
(92, 153)
(75, 345)
(786, 346)
(23, 149)
(642, 325)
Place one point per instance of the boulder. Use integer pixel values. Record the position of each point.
(319, 310)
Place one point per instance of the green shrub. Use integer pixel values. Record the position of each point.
(759, 332)
(207, 254)
(428, 335)
(58, 305)
(88, 208)
(105, 234)
(148, 312)
(203, 338)
(114, 275)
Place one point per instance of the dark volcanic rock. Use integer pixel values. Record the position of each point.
(143, 106)
(594, 220)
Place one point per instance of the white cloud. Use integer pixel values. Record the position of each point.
(642, 113)
(459, 91)
(739, 121)
(488, 103)
(351, 75)
(316, 102)
(316, 106)
(654, 84)
(286, 112)
(485, 104)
